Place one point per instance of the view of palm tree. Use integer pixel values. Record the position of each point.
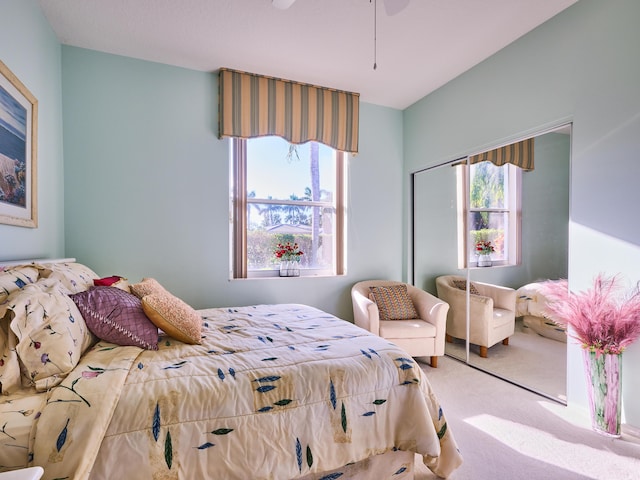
(300, 217)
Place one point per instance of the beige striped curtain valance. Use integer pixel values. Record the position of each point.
(519, 154)
(253, 105)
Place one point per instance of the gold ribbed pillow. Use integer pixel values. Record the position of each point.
(173, 316)
(393, 302)
(146, 287)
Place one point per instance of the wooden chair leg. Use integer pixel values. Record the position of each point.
(483, 351)
(434, 362)
(505, 341)
(448, 338)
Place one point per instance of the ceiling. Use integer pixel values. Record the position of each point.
(323, 42)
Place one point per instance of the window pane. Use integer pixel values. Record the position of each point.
(487, 186)
(312, 228)
(276, 171)
(491, 227)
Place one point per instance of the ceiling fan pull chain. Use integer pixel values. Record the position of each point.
(375, 33)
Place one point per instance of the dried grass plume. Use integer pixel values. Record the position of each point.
(604, 319)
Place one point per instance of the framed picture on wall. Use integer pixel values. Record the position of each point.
(18, 152)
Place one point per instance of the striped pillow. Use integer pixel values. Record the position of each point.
(393, 302)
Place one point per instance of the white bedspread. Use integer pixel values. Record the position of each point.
(273, 392)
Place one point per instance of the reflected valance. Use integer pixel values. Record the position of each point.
(253, 105)
(519, 154)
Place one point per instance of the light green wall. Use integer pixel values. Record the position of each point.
(147, 186)
(580, 65)
(31, 51)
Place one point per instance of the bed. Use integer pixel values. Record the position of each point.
(530, 305)
(266, 392)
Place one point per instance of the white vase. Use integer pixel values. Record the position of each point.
(289, 268)
(484, 260)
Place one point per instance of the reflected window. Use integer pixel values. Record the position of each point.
(491, 210)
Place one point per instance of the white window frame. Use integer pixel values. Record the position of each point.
(513, 244)
(238, 217)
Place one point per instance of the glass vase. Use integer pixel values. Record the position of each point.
(484, 260)
(289, 268)
(604, 387)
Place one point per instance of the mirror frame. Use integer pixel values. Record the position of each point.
(565, 126)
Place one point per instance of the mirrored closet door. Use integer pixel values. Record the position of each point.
(529, 248)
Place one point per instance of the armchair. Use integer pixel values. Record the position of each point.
(492, 311)
(419, 337)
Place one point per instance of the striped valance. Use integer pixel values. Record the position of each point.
(255, 106)
(519, 154)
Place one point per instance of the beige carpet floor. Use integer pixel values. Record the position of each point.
(505, 432)
(530, 359)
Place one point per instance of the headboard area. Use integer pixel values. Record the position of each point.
(12, 263)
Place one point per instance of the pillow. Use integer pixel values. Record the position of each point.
(462, 285)
(50, 333)
(76, 277)
(13, 279)
(117, 317)
(146, 287)
(113, 281)
(393, 302)
(173, 316)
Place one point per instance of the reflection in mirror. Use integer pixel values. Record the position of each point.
(516, 343)
(435, 227)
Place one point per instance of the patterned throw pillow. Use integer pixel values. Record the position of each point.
(393, 302)
(146, 287)
(76, 277)
(462, 285)
(50, 333)
(117, 317)
(173, 316)
(13, 279)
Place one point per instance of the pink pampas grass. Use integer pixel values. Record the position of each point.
(602, 318)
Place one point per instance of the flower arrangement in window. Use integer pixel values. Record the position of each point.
(288, 252)
(484, 247)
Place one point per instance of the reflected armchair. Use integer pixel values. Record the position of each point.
(422, 336)
(491, 312)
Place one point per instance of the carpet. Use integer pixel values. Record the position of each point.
(531, 360)
(508, 433)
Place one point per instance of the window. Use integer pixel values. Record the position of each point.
(491, 212)
(286, 193)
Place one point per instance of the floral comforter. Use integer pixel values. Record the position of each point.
(273, 392)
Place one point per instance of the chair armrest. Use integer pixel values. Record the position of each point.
(365, 312)
(430, 308)
(503, 297)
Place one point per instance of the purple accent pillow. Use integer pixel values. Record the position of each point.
(116, 316)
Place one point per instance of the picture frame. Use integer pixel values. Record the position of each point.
(18, 152)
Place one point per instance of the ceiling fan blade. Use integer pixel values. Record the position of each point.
(282, 4)
(395, 6)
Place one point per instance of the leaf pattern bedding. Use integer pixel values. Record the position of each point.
(273, 392)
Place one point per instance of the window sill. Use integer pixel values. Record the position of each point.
(275, 274)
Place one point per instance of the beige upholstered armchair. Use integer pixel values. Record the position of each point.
(491, 312)
(421, 335)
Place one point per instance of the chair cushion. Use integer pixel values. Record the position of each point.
(393, 302)
(414, 328)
